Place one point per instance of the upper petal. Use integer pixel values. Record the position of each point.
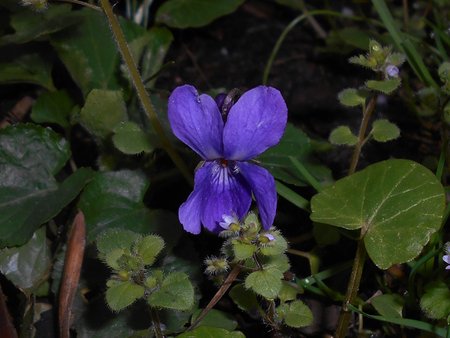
(255, 122)
(195, 119)
(227, 193)
(262, 184)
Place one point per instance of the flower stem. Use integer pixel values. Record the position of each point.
(360, 257)
(367, 114)
(352, 290)
(219, 294)
(156, 323)
(140, 89)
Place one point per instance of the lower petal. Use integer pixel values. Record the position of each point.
(262, 184)
(227, 194)
(190, 211)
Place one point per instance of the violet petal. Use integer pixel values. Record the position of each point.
(196, 120)
(262, 184)
(446, 259)
(255, 123)
(226, 193)
(190, 212)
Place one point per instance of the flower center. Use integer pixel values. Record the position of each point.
(223, 162)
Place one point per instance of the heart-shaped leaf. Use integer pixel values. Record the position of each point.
(398, 204)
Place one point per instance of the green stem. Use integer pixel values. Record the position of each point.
(360, 257)
(141, 91)
(352, 290)
(367, 114)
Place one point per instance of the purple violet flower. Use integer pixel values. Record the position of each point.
(224, 184)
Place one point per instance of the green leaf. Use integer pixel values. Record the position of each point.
(399, 204)
(130, 139)
(29, 158)
(113, 239)
(194, 13)
(436, 300)
(28, 68)
(176, 292)
(149, 50)
(275, 247)
(103, 110)
(211, 332)
(295, 314)
(278, 262)
(266, 283)
(242, 250)
(245, 299)
(351, 97)
(149, 247)
(114, 200)
(342, 135)
(27, 266)
(383, 130)
(89, 52)
(119, 295)
(287, 292)
(32, 25)
(216, 318)
(384, 86)
(53, 107)
(297, 144)
(390, 306)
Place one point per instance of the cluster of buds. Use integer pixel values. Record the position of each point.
(244, 240)
(380, 59)
(37, 5)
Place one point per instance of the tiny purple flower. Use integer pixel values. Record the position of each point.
(446, 259)
(270, 237)
(227, 221)
(224, 184)
(391, 71)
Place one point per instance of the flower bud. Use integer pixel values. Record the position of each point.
(37, 5)
(216, 265)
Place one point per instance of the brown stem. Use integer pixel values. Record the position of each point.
(219, 294)
(367, 114)
(352, 290)
(7, 329)
(156, 323)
